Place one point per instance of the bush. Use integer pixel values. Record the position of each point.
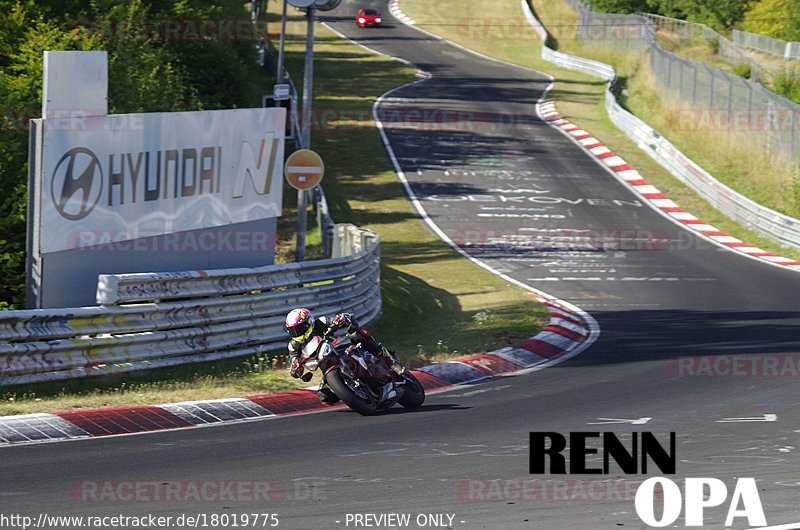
(713, 45)
(742, 70)
(787, 83)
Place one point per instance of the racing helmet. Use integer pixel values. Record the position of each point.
(300, 324)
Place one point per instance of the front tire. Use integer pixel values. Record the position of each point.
(358, 399)
(414, 395)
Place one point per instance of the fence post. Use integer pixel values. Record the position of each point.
(770, 122)
(669, 72)
(794, 50)
(730, 98)
(711, 96)
(793, 137)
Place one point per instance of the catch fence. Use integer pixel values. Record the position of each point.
(707, 98)
(781, 48)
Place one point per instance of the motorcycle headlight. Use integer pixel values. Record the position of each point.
(312, 364)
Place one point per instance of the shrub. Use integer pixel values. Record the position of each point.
(787, 83)
(742, 70)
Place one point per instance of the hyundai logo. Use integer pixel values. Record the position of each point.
(78, 171)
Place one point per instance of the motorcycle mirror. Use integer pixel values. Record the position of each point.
(307, 377)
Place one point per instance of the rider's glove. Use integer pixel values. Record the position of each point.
(297, 369)
(343, 319)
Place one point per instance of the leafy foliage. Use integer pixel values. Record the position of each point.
(719, 14)
(145, 75)
(619, 6)
(742, 70)
(787, 84)
(779, 19)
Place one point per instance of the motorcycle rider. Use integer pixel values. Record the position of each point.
(302, 326)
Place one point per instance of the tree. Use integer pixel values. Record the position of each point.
(21, 53)
(779, 19)
(145, 75)
(719, 14)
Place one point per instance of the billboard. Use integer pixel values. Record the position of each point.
(156, 192)
(126, 176)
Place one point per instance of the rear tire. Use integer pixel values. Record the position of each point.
(414, 395)
(358, 399)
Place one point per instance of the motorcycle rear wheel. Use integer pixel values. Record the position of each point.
(358, 399)
(414, 395)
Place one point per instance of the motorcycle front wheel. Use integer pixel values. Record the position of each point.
(357, 397)
(414, 395)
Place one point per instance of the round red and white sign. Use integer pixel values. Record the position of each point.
(304, 169)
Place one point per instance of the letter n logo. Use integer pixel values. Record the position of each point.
(255, 167)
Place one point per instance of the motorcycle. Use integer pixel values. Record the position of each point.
(363, 382)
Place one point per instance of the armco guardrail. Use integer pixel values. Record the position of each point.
(768, 223)
(174, 318)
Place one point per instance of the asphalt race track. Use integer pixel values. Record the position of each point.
(518, 195)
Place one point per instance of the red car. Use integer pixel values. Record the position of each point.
(368, 17)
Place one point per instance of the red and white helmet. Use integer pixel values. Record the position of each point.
(300, 324)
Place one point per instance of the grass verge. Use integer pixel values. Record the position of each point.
(436, 304)
(580, 97)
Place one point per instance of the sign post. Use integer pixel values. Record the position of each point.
(304, 136)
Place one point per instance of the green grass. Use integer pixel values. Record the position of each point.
(229, 378)
(580, 98)
(436, 304)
